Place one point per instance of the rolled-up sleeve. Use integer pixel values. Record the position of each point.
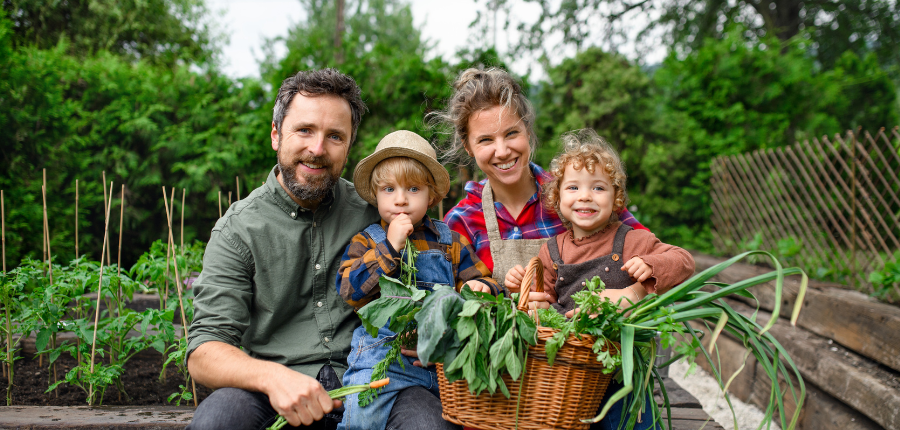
(223, 293)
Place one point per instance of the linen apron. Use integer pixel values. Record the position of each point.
(506, 253)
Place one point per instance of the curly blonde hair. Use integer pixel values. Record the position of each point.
(476, 90)
(585, 149)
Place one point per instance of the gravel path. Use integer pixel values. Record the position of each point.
(704, 387)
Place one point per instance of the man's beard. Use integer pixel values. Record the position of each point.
(316, 187)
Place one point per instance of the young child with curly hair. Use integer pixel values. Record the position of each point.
(588, 191)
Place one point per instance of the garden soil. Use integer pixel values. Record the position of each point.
(141, 381)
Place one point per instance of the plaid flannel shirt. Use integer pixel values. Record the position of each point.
(534, 222)
(364, 261)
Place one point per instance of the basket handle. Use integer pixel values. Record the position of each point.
(533, 273)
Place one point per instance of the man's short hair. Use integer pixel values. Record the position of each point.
(315, 83)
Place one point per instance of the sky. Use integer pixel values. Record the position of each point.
(248, 23)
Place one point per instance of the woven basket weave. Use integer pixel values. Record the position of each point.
(552, 397)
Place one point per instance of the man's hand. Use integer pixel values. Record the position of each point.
(399, 229)
(637, 269)
(299, 398)
(479, 286)
(513, 281)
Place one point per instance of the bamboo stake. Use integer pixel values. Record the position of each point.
(106, 209)
(184, 321)
(44, 241)
(237, 182)
(183, 192)
(106, 205)
(50, 272)
(220, 204)
(121, 219)
(76, 219)
(229, 199)
(3, 228)
(8, 330)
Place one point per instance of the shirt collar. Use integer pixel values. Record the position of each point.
(284, 200)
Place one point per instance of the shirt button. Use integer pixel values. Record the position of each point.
(326, 339)
(293, 214)
(318, 267)
(319, 304)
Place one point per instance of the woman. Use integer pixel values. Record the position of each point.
(503, 216)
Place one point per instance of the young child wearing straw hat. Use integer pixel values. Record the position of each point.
(403, 179)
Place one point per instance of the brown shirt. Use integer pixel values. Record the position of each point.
(671, 265)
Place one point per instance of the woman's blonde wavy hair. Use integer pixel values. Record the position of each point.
(585, 149)
(475, 90)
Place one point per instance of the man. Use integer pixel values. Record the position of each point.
(268, 280)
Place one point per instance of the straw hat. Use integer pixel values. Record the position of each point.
(401, 143)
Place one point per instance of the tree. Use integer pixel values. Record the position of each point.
(156, 31)
(383, 51)
(834, 26)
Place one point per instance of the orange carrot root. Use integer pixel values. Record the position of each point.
(379, 383)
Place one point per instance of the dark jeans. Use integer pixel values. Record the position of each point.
(613, 418)
(234, 408)
(416, 409)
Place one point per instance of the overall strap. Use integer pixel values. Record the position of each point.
(376, 232)
(445, 236)
(553, 247)
(619, 241)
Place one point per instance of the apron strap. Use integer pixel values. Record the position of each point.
(490, 214)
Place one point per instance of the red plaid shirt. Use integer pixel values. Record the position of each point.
(534, 222)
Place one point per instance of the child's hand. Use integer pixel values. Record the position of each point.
(628, 296)
(479, 286)
(399, 229)
(637, 269)
(513, 281)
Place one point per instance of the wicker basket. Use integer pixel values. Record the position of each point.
(552, 397)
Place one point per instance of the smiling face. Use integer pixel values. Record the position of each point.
(313, 146)
(586, 199)
(498, 139)
(395, 197)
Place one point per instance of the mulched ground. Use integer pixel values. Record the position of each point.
(141, 381)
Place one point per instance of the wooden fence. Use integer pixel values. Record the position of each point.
(837, 200)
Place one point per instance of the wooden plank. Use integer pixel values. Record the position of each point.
(852, 319)
(821, 411)
(871, 391)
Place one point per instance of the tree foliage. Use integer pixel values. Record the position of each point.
(156, 31)
(834, 26)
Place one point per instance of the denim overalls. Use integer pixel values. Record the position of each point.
(433, 267)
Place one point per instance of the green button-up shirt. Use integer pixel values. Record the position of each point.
(268, 280)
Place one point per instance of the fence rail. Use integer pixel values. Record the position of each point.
(837, 200)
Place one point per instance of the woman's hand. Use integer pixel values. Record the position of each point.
(513, 281)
